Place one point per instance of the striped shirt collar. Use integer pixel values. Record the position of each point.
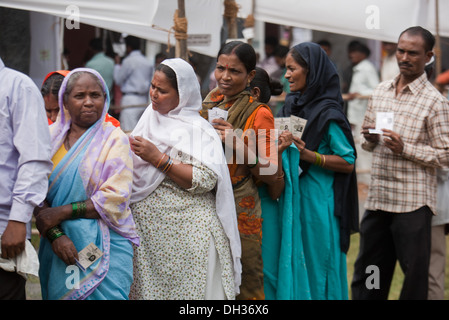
(414, 87)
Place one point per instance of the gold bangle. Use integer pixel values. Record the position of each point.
(324, 161)
(159, 163)
(281, 176)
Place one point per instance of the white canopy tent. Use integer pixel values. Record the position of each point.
(151, 19)
(373, 19)
(147, 19)
(381, 20)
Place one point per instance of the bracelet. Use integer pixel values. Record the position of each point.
(317, 159)
(54, 233)
(252, 166)
(167, 165)
(281, 176)
(79, 209)
(159, 163)
(320, 160)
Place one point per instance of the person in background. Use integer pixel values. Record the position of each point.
(101, 62)
(88, 197)
(402, 194)
(280, 54)
(440, 221)
(133, 76)
(161, 56)
(389, 69)
(24, 166)
(269, 62)
(326, 46)
(50, 89)
(364, 79)
(262, 89)
(182, 196)
(320, 199)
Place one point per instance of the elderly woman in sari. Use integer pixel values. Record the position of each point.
(88, 198)
(251, 155)
(182, 196)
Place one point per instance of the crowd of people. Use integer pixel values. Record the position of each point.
(206, 198)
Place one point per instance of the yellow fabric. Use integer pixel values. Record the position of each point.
(58, 156)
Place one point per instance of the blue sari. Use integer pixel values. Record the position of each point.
(107, 278)
(98, 167)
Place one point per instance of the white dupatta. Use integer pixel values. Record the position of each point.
(183, 129)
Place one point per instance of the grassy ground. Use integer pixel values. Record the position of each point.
(33, 287)
(398, 278)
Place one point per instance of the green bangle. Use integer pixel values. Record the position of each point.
(54, 233)
(79, 209)
(252, 166)
(317, 159)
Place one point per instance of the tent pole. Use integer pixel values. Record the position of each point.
(230, 13)
(437, 41)
(181, 44)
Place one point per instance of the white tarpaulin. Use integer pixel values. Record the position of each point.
(137, 17)
(372, 19)
(134, 12)
(204, 20)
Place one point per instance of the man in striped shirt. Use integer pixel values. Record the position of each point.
(402, 193)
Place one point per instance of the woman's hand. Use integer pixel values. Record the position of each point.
(48, 218)
(38, 209)
(284, 141)
(223, 128)
(301, 145)
(64, 248)
(145, 149)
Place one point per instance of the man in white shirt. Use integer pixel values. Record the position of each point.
(389, 69)
(364, 80)
(134, 77)
(24, 166)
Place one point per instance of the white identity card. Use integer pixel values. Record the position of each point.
(217, 113)
(88, 256)
(384, 120)
(297, 125)
(281, 124)
(293, 124)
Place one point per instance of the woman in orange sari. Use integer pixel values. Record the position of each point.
(250, 162)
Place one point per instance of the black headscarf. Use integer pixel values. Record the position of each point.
(320, 103)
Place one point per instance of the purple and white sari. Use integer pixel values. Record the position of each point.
(98, 167)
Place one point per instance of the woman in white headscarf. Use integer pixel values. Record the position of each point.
(182, 197)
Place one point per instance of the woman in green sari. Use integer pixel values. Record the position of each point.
(319, 206)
